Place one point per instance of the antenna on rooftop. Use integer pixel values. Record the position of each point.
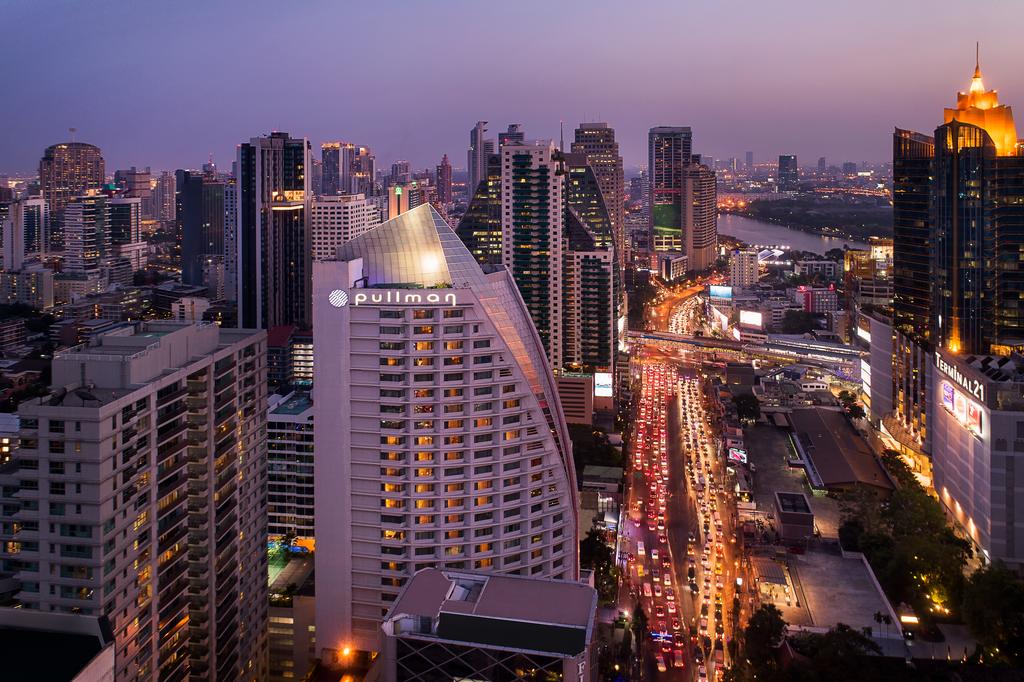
(72, 131)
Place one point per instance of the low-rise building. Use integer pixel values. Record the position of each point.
(826, 268)
(463, 625)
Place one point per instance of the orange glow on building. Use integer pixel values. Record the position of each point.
(981, 108)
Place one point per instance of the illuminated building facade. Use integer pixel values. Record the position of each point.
(977, 427)
(669, 149)
(68, 170)
(337, 218)
(788, 173)
(480, 227)
(444, 182)
(699, 216)
(597, 142)
(25, 231)
(274, 247)
(533, 235)
(440, 438)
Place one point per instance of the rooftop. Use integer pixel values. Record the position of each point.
(839, 454)
(509, 612)
(293, 404)
(793, 502)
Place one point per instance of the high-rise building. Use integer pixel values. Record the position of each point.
(335, 219)
(699, 216)
(476, 158)
(200, 215)
(290, 467)
(743, 268)
(404, 196)
(330, 173)
(361, 176)
(164, 197)
(749, 161)
(515, 133)
(789, 177)
(274, 244)
(480, 226)
(231, 240)
(147, 464)
(86, 235)
(136, 183)
(400, 172)
(533, 235)
(434, 383)
(669, 150)
(24, 231)
(597, 142)
(68, 170)
(444, 182)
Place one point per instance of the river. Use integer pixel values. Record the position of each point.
(758, 233)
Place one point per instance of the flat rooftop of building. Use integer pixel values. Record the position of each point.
(601, 473)
(838, 453)
(502, 611)
(838, 590)
(296, 571)
(294, 404)
(793, 502)
(49, 647)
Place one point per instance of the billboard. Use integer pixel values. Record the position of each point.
(602, 385)
(718, 291)
(963, 409)
(738, 455)
(751, 318)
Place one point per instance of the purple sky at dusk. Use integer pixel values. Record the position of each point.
(164, 84)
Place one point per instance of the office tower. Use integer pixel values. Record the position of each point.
(433, 383)
(668, 150)
(743, 268)
(290, 467)
(124, 221)
(404, 197)
(164, 197)
(330, 160)
(749, 161)
(147, 468)
(231, 240)
(136, 183)
(912, 289)
(849, 168)
(480, 226)
(200, 214)
(444, 182)
(362, 172)
(274, 245)
(822, 165)
(400, 172)
(591, 283)
(533, 235)
(335, 219)
(788, 174)
(476, 163)
(699, 216)
(514, 133)
(86, 235)
(68, 170)
(24, 231)
(597, 142)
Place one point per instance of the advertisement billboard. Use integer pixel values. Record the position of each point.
(718, 291)
(738, 455)
(602, 385)
(751, 318)
(963, 409)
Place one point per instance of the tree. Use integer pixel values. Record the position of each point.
(856, 411)
(836, 655)
(747, 406)
(799, 322)
(993, 608)
(596, 555)
(762, 636)
(639, 625)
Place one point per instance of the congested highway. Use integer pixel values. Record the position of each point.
(679, 535)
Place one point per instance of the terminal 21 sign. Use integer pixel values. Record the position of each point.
(972, 386)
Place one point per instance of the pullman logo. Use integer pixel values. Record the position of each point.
(338, 298)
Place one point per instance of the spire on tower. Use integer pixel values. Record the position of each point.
(977, 59)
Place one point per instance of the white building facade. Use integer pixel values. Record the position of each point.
(338, 218)
(440, 440)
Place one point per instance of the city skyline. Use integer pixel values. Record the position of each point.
(178, 117)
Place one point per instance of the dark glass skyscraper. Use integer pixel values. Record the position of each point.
(789, 174)
(480, 227)
(199, 214)
(274, 245)
(669, 149)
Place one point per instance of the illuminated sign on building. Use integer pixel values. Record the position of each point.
(717, 291)
(963, 409)
(339, 298)
(864, 334)
(602, 385)
(751, 318)
(738, 455)
(972, 386)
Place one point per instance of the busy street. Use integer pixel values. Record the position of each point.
(679, 540)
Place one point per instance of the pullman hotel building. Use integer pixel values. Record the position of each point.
(440, 439)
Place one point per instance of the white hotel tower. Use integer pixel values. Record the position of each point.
(440, 440)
